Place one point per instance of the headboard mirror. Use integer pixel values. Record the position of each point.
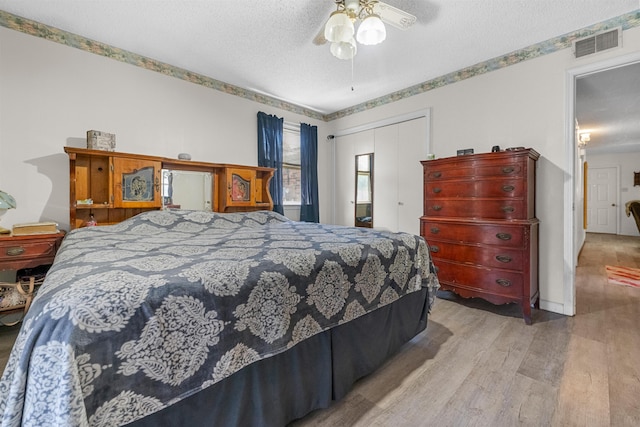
(364, 190)
(188, 190)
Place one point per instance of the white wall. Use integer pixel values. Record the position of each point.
(521, 105)
(628, 164)
(51, 94)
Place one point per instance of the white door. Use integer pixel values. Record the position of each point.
(398, 174)
(345, 188)
(602, 209)
(385, 178)
(412, 147)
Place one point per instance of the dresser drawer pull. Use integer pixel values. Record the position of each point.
(503, 282)
(437, 174)
(435, 230)
(503, 236)
(435, 249)
(508, 169)
(508, 209)
(437, 207)
(508, 188)
(15, 251)
(437, 190)
(503, 258)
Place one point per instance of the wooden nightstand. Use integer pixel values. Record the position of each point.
(21, 252)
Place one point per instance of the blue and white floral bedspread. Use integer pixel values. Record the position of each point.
(136, 316)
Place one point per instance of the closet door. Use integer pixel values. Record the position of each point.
(398, 175)
(412, 147)
(385, 172)
(344, 183)
(346, 149)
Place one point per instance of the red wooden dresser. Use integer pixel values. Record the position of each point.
(479, 220)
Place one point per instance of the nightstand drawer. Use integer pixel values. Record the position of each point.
(18, 252)
(28, 250)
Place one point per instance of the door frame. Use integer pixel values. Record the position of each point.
(572, 190)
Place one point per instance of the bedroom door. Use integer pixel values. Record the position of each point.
(602, 200)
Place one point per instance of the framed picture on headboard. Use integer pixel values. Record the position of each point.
(636, 178)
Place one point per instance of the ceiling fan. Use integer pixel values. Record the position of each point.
(372, 14)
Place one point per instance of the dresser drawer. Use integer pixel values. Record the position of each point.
(489, 256)
(477, 208)
(499, 188)
(490, 281)
(512, 236)
(471, 169)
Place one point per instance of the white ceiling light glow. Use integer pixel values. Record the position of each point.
(371, 31)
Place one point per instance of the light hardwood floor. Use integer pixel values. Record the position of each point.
(479, 365)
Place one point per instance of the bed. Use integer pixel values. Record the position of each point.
(632, 207)
(200, 318)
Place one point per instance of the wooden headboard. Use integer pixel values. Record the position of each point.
(108, 187)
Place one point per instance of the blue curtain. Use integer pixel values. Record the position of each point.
(309, 210)
(270, 154)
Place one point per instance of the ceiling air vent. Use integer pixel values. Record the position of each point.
(598, 42)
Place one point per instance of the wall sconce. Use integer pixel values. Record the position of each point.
(583, 138)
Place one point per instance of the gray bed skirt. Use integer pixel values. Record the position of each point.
(309, 376)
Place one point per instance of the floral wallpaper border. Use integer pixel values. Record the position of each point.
(565, 41)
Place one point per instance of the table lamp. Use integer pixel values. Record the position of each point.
(6, 202)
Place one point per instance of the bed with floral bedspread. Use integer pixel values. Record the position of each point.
(137, 316)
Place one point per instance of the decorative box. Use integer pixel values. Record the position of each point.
(97, 140)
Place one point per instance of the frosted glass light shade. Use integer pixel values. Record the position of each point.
(371, 31)
(344, 50)
(339, 28)
(7, 201)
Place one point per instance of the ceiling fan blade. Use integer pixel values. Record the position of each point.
(393, 16)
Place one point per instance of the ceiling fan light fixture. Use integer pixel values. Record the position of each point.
(339, 27)
(371, 31)
(344, 50)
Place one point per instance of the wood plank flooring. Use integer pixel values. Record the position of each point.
(479, 365)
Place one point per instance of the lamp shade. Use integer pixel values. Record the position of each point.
(344, 50)
(339, 27)
(371, 31)
(7, 201)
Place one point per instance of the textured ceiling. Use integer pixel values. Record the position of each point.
(267, 47)
(608, 108)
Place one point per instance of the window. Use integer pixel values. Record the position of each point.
(291, 165)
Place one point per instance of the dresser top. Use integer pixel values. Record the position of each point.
(506, 154)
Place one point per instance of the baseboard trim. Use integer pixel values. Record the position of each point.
(553, 307)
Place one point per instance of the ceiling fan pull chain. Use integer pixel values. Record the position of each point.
(352, 74)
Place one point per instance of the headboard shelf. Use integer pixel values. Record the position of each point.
(108, 186)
